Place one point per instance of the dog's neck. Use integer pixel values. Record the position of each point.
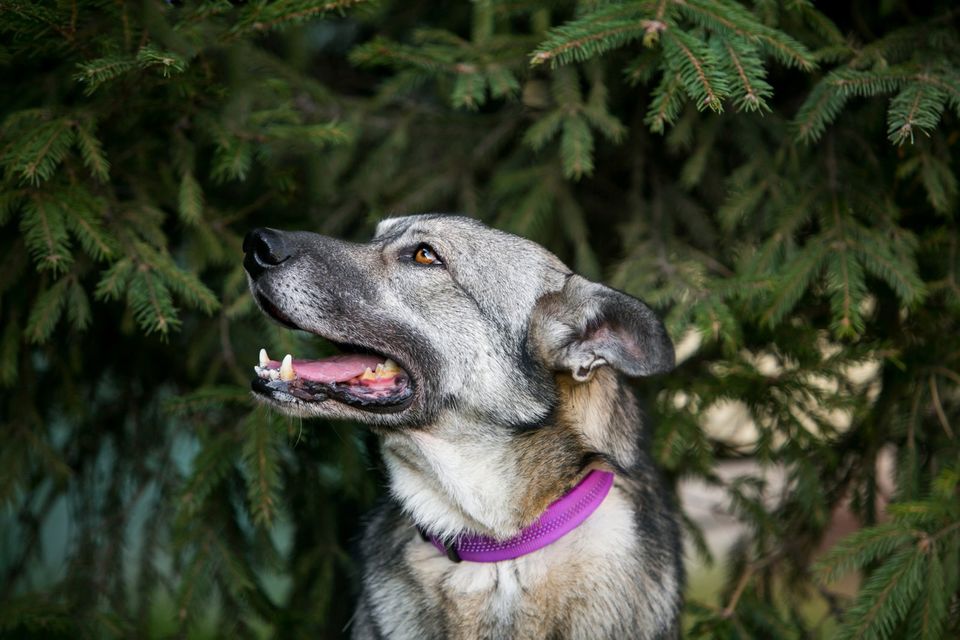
(455, 477)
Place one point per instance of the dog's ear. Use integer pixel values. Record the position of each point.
(587, 325)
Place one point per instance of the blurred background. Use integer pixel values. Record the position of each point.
(776, 177)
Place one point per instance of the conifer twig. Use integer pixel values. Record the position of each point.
(938, 407)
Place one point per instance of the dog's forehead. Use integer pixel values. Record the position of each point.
(436, 225)
(464, 233)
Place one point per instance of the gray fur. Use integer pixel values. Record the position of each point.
(518, 369)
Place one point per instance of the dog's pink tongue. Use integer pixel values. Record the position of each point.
(333, 369)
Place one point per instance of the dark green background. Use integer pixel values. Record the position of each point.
(778, 178)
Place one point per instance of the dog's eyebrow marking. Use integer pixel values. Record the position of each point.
(389, 236)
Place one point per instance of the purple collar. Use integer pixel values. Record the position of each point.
(560, 518)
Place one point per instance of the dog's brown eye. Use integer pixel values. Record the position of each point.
(426, 255)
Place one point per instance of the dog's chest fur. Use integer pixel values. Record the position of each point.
(603, 580)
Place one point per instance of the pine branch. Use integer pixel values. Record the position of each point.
(820, 109)
(946, 81)
(665, 105)
(186, 284)
(232, 159)
(317, 136)
(745, 193)
(930, 612)
(848, 289)
(886, 597)
(167, 62)
(210, 467)
(78, 306)
(262, 465)
(469, 91)
(916, 107)
(819, 23)
(502, 82)
(851, 82)
(863, 547)
(940, 183)
(114, 280)
(45, 233)
(576, 147)
(381, 51)
(696, 66)
(95, 73)
(595, 33)
(190, 200)
(85, 223)
(36, 153)
(543, 130)
(46, 311)
(598, 114)
(92, 151)
(265, 17)
(751, 88)
(793, 284)
(787, 50)
(151, 303)
(733, 21)
(882, 261)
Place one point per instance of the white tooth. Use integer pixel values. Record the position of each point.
(264, 359)
(368, 375)
(274, 374)
(286, 369)
(389, 366)
(378, 373)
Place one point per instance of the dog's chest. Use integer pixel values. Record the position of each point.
(510, 599)
(578, 587)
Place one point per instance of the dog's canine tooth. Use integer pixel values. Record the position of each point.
(286, 369)
(264, 358)
(389, 366)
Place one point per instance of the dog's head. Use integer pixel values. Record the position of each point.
(458, 317)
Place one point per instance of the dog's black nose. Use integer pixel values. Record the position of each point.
(265, 248)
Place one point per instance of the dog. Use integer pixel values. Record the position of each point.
(494, 378)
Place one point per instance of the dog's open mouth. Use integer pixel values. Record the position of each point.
(365, 381)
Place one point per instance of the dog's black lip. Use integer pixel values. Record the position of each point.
(261, 387)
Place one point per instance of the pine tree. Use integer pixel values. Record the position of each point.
(777, 178)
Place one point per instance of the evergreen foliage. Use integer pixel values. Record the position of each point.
(777, 178)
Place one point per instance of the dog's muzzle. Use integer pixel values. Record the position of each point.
(359, 377)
